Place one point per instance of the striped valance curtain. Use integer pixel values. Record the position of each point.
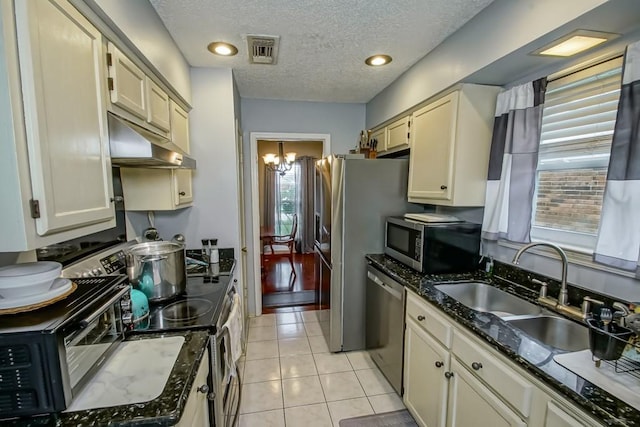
(619, 232)
(512, 163)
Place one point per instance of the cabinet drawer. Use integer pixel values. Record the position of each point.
(513, 388)
(429, 319)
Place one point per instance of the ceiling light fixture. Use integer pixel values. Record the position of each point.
(574, 42)
(377, 60)
(222, 48)
(280, 163)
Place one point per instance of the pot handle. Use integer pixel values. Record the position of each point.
(151, 258)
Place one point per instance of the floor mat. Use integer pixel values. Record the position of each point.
(281, 299)
(388, 419)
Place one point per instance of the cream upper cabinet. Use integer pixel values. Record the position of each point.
(64, 146)
(158, 102)
(179, 126)
(380, 136)
(450, 144)
(127, 83)
(399, 134)
(156, 189)
(196, 409)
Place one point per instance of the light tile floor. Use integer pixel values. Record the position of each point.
(290, 378)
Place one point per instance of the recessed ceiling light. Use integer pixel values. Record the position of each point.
(222, 48)
(378, 60)
(574, 42)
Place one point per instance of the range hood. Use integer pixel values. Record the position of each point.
(134, 146)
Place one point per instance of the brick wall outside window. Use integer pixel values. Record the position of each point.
(570, 199)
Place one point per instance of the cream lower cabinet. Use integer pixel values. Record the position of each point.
(453, 379)
(55, 168)
(450, 144)
(196, 410)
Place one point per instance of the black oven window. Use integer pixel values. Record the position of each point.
(398, 238)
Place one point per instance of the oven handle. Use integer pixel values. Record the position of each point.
(93, 316)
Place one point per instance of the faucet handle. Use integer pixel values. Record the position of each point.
(543, 287)
(586, 305)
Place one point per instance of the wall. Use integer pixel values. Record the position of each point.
(137, 22)
(342, 121)
(213, 145)
(500, 29)
(301, 148)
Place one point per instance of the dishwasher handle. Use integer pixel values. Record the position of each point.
(375, 279)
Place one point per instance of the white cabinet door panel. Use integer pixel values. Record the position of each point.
(67, 141)
(158, 102)
(128, 84)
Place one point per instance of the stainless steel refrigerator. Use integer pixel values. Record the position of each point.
(352, 199)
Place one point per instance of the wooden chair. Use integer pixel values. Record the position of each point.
(286, 240)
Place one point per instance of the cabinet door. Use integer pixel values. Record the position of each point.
(196, 410)
(184, 186)
(472, 404)
(425, 386)
(432, 149)
(158, 102)
(558, 417)
(398, 133)
(127, 84)
(179, 126)
(381, 137)
(62, 66)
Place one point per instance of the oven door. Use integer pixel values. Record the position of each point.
(89, 342)
(404, 242)
(225, 382)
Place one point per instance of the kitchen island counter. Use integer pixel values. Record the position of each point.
(534, 357)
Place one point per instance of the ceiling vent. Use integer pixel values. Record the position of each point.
(263, 49)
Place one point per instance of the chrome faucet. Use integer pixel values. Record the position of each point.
(562, 303)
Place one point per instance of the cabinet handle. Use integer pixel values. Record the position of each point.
(203, 389)
(182, 193)
(117, 199)
(439, 364)
(443, 187)
(476, 366)
(448, 375)
(421, 318)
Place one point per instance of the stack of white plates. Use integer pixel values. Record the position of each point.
(31, 283)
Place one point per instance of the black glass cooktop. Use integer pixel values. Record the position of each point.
(198, 308)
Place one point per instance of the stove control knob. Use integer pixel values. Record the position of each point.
(96, 271)
(86, 274)
(127, 318)
(125, 304)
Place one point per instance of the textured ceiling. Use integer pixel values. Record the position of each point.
(323, 43)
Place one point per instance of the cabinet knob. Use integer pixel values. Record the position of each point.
(421, 318)
(448, 375)
(182, 193)
(203, 389)
(117, 199)
(476, 366)
(439, 364)
(443, 187)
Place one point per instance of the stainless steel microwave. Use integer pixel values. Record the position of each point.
(433, 248)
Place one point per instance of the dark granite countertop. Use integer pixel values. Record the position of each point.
(166, 410)
(531, 355)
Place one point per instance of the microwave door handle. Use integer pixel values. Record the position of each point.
(375, 279)
(98, 312)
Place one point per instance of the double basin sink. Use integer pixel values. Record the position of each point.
(553, 331)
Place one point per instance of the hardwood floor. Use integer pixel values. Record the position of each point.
(288, 287)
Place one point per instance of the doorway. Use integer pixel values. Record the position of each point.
(285, 278)
(288, 279)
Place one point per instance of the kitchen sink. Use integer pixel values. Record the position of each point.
(482, 297)
(556, 332)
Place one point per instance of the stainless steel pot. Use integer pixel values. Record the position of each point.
(157, 269)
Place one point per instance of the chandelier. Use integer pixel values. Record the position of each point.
(280, 163)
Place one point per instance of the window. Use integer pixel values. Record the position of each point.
(286, 200)
(577, 126)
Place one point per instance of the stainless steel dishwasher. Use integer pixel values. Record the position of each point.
(385, 325)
